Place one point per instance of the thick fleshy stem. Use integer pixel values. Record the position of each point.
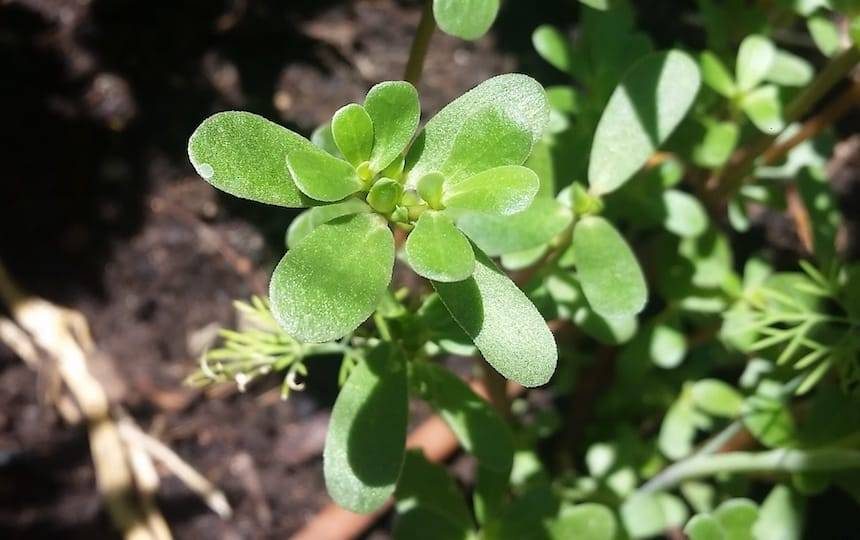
(420, 45)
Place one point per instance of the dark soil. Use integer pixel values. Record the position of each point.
(102, 213)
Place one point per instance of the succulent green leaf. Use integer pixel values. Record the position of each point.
(519, 99)
(323, 138)
(684, 214)
(488, 139)
(677, 430)
(322, 176)
(588, 521)
(312, 218)
(780, 516)
(667, 346)
(366, 438)
(534, 226)
(737, 517)
(553, 46)
(352, 131)
(717, 145)
(395, 111)
(642, 515)
(478, 427)
(609, 273)
(466, 19)
(717, 398)
(502, 191)
(716, 75)
(385, 195)
(764, 108)
(704, 527)
(503, 323)
(436, 250)
(652, 99)
(243, 154)
(333, 279)
(824, 33)
(790, 70)
(430, 189)
(755, 58)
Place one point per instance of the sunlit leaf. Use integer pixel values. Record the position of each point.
(824, 33)
(780, 516)
(436, 250)
(478, 427)
(366, 438)
(684, 214)
(717, 145)
(588, 521)
(717, 398)
(352, 132)
(245, 155)
(467, 19)
(489, 139)
(704, 527)
(501, 191)
(518, 98)
(716, 75)
(504, 324)
(333, 279)
(790, 70)
(322, 176)
(755, 58)
(394, 109)
(609, 273)
(534, 226)
(644, 110)
(764, 108)
(737, 517)
(553, 46)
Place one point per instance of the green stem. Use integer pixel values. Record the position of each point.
(382, 326)
(782, 460)
(420, 45)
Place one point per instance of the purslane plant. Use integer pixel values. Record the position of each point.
(467, 160)
(546, 181)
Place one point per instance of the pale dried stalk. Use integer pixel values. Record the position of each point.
(211, 495)
(61, 333)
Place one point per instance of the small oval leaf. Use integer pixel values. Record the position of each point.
(466, 19)
(352, 131)
(436, 250)
(333, 279)
(499, 191)
(553, 46)
(243, 154)
(755, 58)
(395, 111)
(366, 438)
(503, 323)
(644, 110)
(322, 176)
(534, 226)
(515, 96)
(609, 273)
